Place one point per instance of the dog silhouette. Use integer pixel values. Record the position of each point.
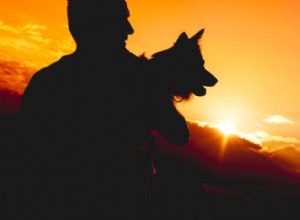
(181, 73)
(183, 67)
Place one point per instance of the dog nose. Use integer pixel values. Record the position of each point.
(209, 79)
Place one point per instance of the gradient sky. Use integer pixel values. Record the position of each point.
(251, 46)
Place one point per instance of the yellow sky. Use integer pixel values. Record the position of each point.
(251, 46)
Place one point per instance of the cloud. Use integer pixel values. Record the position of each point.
(267, 140)
(258, 125)
(28, 32)
(278, 119)
(20, 45)
(256, 137)
(14, 75)
(30, 29)
(8, 28)
(10, 101)
(33, 37)
(259, 137)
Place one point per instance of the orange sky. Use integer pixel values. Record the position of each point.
(251, 46)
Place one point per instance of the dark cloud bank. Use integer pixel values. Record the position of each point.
(9, 102)
(199, 181)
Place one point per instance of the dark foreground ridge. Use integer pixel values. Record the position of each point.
(182, 189)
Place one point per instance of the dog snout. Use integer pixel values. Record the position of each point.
(209, 79)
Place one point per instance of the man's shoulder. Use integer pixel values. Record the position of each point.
(55, 69)
(47, 78)
(50, 76)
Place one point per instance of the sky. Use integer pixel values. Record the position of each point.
(251, 46)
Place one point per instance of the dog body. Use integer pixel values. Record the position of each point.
(180, 73)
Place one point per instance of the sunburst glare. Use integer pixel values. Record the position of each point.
(227, 128)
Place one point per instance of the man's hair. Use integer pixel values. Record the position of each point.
(96, 8)
(82, 13)
(105, 3)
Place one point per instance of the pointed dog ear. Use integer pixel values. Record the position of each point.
(182, 38)
(198, 35)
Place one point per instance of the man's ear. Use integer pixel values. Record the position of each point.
(181, 39)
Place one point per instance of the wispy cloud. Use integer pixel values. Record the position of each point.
(265, 139)
(261, 137)
(278, 119)
(24, 49)
(28, 32)
(8, 28)
(14, 75)
(10, 101)
(33, 37)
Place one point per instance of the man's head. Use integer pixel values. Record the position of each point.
(99, 22)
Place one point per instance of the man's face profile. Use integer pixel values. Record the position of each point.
(99, 21)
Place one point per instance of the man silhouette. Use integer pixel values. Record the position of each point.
(86, 119)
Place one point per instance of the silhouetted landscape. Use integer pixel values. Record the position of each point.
(223, 177)
(199, 181)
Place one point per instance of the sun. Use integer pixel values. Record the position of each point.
(227, 128)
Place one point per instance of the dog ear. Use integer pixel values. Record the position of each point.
(197, 36)
(182, 38)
